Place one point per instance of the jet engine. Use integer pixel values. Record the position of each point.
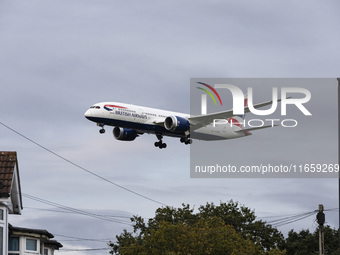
(175, 123)
(124, 134)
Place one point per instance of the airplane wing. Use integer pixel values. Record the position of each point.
(199, 121)
(159, 123)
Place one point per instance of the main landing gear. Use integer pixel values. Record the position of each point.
(160, 143)
(186, 140)
(102, 130)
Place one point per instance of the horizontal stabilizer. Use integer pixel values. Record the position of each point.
(254, 128)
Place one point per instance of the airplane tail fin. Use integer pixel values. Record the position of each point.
(238, 120)
(245, 104)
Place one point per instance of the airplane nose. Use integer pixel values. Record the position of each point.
(88, 113)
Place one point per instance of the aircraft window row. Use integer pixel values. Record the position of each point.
(96, 107)
(151, 114)
(127, 110)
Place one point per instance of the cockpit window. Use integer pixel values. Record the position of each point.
(95, 107)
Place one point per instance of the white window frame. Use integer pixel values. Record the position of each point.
(18, 251)
(3, 234)
(2, 240)
(37, 247)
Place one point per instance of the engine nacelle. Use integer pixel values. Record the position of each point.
(175, 123)
(124, 134)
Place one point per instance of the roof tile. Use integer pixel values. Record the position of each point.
(8, 160)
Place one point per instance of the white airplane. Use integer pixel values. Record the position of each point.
(130, 121)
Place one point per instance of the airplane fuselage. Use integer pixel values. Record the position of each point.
(131, 116)
(154, 121)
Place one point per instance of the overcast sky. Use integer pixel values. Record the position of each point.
(57, 58)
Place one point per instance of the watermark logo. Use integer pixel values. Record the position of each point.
(239, 99)
(204, 96)
(209, 93)
(243, 101)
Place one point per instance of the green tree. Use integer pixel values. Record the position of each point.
(307, 243)
(331, 240)
(244, 221)
(224, 229)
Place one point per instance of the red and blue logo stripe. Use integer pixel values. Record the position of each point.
(109, 107)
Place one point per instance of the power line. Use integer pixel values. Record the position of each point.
(72, 250)
(287, 219)
(74, 210)
(279, 216)
(331, 210)
(61, 211)
(87, 240)
(83, 239)
(82, 168)
(290, 219)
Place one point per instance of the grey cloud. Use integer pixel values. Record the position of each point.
(59, 58)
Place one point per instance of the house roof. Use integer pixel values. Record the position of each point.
(9, 177)
(44, 235)
(41, 232)
(8, 161)
(53, 244)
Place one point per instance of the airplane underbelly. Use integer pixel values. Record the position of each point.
(142, 126)
(215, 133)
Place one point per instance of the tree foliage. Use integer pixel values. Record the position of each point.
(215, 229)
(227, 228)
(307, 243)
(244, 221)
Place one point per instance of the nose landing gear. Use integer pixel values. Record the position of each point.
(102, 130)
